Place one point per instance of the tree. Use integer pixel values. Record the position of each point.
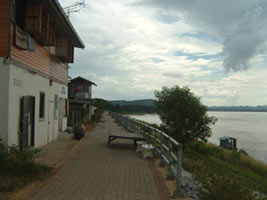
(100, 103)
(183, 115)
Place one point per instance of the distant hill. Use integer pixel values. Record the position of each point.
(142, 106)
(149, 104)
(141, 102)
(262, 108)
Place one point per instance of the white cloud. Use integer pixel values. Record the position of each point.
(133, 50)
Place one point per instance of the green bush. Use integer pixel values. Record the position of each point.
(24, 155)
(17, 167)
(98, 113)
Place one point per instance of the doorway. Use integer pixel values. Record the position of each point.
(27, 121)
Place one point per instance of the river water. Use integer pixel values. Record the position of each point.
(250, 129)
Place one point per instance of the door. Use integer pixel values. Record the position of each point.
(27, 110)
(50, 135)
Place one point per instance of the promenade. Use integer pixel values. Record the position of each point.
(102, 172)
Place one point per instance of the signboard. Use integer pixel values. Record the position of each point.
(63, 91)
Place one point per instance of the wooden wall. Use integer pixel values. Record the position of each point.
(40, 60)
(58, 70)
(4, 27)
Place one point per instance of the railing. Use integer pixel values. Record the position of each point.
(166, 148)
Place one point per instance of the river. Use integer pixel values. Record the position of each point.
(250, 129)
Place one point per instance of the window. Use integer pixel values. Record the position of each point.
(42, 106)
(56, 107)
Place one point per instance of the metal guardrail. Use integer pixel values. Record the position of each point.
(166, 148)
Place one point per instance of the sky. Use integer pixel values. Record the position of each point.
(134, 47)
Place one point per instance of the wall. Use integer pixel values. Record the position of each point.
(4, 84)
(41, 60)
(31, 84)
(4, 27)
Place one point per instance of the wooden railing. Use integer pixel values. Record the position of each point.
(166, 148)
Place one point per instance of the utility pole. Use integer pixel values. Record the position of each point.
(74, 7)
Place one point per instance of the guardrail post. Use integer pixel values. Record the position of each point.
(178, 192)
(149, 136)
(170, 175)
(161, 163)
(156, 142)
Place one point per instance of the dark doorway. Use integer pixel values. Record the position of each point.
(27, 123)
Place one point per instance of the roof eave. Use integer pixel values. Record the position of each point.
(65, 20)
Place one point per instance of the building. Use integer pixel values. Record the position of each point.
(80, 99)
(228, 142)
(80, 88)
(37, 42)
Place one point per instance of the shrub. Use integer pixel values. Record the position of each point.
(24, 155)
(96, 117)
(17, 167)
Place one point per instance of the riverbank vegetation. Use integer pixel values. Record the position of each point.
(224, 174)
(17, 168)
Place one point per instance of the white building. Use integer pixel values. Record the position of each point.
(36, 44)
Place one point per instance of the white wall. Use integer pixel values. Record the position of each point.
(31, 85)
(4, 81)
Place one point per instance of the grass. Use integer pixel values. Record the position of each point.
(17, 168)
(230, 156)
(224, 174)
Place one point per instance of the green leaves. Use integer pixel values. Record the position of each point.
(183, 114)
(17, 167)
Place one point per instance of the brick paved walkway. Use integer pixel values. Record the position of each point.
(101, 172)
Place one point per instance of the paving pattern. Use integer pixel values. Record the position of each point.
(102, 172)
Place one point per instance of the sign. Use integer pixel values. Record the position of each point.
(17, 82)
(63, 91)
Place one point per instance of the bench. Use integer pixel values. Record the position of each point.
(124, 135)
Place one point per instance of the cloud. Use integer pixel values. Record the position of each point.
(240, 25)
(133, 50)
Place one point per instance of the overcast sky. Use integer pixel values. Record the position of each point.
(134, 47)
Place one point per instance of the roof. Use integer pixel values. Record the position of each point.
(226, 138)
(63, 17)
(82, 79)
